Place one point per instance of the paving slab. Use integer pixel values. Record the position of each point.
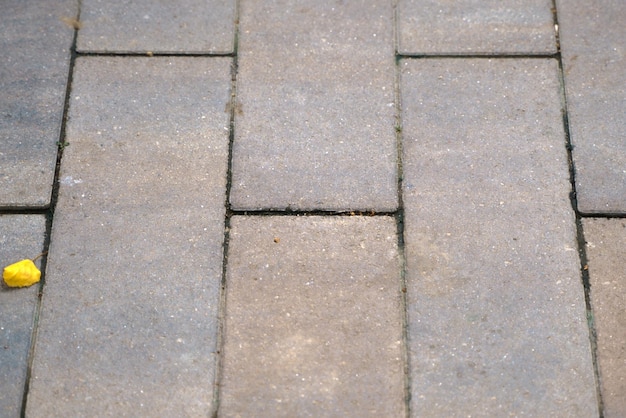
(496, 308)
(593, 44)
(315, 117)
(35, 45)
(606, 244)
(188, 26)
(21, 236)
(313, 322)
(128, 321)
(476, 27)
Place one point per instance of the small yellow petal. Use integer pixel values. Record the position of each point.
(21, 274)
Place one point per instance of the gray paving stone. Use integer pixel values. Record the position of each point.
(313, 323)
(315, 115)
(21, 236)
(476, 27)
(35, 47)
(496, 307)
(606, 244)
(128, 322)
(196, 26)
(593, 41)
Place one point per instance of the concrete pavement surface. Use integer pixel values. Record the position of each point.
(36, 46)
(490, 242)
(593, 64)
(399, 208)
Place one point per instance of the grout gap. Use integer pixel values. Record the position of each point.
(49, 212)
(315, 212)
(580, 237)
(603, 215)
(221, 309)
(149, 54)
(476, 56)
(399, 218)
(24, 210)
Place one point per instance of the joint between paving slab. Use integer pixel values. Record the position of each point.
(227, 216)
(404, 306)
(555, 20)
(399, 218)
(25, 210)
(582, 252)
(220, 320)
(400, 55)
(49, 213)
(603, 215)
(150, 54)
(593, 336)
(316, 212)
(36, 314)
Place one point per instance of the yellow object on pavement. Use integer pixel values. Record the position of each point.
(21, 274)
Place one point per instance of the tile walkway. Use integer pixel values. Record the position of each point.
(392, 209)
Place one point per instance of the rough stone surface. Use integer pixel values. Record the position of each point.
(476, 27)
(496, 306)
(128, 321)
(313, 323)
(593, 41)
(196, 26)
(35, 45)
(315, 117)
(606, 250)
(21, 236)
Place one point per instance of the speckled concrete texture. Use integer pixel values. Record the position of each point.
(606, 248)
(430, 27)
(313, 322)
(313, 208)
(129, 316)
(190, 26)
(593, 39)
(496, 306)
(315, 116)
(21, 237)
(35, 43)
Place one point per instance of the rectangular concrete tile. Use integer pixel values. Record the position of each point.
(313, 323)
(21, 237)
(593, 41)
(476, 27)
(35, 45)
(497, 318)
(315, 113)
(128, 323)
(606, 247)
(194, 26)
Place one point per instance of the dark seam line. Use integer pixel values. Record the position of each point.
(580, 237)
(399, 218)
(24, 210)
(147, 54)
(476, 56)
(221, 307)
(49, 219)
(367, 213)
(603, 215)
